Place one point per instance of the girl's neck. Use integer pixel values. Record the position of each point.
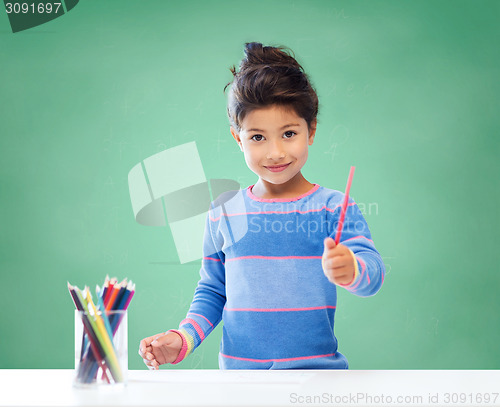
(291, 189)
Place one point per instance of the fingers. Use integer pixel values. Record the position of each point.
(147, 356)
(339, 275)
(329, 244)
(336, 262)
(148, 359)
(160, 349)
(151, 364)
(147, 341)
(146, 351)
(332, 250)
(142, 347)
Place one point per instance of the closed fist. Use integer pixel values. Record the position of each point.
(338, 262)
(159, 349)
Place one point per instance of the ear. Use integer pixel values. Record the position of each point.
(236, 136)
(312, 131)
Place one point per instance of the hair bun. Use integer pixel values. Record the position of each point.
(257, 54)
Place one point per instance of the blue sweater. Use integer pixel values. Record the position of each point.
(262, 276)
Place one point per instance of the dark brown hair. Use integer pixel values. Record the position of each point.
(270, 76)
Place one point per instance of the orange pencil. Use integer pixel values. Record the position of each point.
(114, 294)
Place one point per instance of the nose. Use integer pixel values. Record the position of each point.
(275, 151)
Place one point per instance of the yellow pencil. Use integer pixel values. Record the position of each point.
(103, 337)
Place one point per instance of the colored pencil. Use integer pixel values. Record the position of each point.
(111, 284)
(116, 289)
(114, 318)
(98, 350)
(123, 297)
(89, 365)
(116, 303)
(105, 288)
(103, 337)
(344, 206)
(132, 292)
(94, 345)
(101, 307)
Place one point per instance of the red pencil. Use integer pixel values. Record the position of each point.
(111, 284)
(344, 206)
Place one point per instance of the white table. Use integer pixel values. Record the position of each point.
(257, 388)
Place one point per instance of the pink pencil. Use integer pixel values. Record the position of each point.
(344, 206)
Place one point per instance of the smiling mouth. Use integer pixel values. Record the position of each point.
(277, 168)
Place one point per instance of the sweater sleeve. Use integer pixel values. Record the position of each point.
(370, 268)
(209, 298)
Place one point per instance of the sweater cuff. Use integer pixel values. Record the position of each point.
(182, 353)
(356, 272)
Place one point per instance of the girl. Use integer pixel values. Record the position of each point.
(271, 268)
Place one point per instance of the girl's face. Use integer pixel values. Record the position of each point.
(275, 142)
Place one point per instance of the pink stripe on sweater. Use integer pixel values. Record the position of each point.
(205, 318)
(357, 237)
(278, 360)
(255, 198)
(275, 257)
(195, 325)
(279, 212)
(279, 309)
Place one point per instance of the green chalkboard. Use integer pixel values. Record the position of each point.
(408, 94)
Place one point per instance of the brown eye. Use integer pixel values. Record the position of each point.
(289, 134)
(257, 137)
